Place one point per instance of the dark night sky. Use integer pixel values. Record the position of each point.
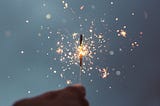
(26, 61)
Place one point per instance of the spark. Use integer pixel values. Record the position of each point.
(122, 33)
(104, 72)
(59, 51)
(82, 7)
(100, 36)
(69, 82)
(50, 68)
(90, 30)
(135, 44)
(117, 19)
(61, 75)
(124, 27)
(74, 35)
(65, 4)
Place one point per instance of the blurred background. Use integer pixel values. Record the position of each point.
(125, 70)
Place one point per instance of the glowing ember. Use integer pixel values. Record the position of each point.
(59, 51)
(122, 33)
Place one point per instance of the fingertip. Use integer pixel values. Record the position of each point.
(78, 85)
(81, 88)
(78, 89)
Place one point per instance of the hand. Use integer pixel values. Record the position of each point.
(69, 96)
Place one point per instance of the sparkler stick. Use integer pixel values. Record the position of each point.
(80, 57)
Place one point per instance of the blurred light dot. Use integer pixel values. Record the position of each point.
(51, 49)
(133, 66)
(93, 6)
(123, 33)
(113, 69)
(145, 15)
(82, 7)
(8, 77)
(91, 80)
(118, 73)
(7, 33)
(117, 19)
(120, 49)
(28, 69)
(27, 21)
(73, 73)
(22, 52)
(133, 13)
(112, 3)
(59, 85)
(50, 68)
(39, 34)
(28, 92)
(48, 16)
(111, 52)
(69, 82)
(47, 76)
(124, 27)
(44, 4)
(97, 91)
(141, 33)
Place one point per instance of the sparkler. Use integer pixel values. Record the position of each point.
(82, 50)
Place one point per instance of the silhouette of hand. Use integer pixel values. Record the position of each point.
(69, 96)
